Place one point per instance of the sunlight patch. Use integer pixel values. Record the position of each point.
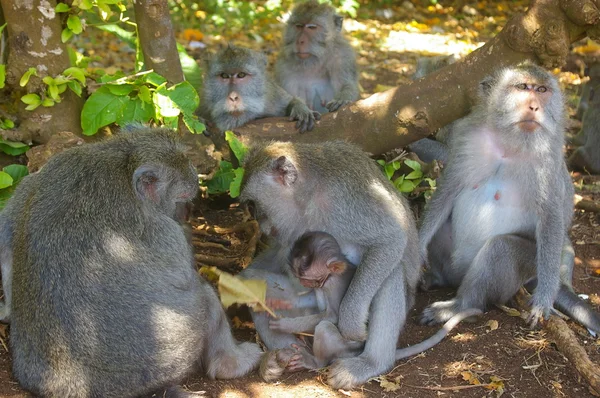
(428, 44)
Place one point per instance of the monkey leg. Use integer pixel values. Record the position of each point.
(439, 253)
(329, 344)
(6, 260)
(500, 268)
(224, 357)
(387, 317)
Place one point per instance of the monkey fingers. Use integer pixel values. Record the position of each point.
(278, 304)
(334, 105)
(537, 314)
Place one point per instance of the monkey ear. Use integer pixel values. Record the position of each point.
(145, 182)
(338, 20)
(285, 171)
(336, 266)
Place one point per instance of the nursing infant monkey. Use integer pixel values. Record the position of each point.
(499, 218)
(99, 278)
(317, 261)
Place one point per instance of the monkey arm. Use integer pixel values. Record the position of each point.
(377, 264)
(300, 324)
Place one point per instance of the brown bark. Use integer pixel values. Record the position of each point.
(158, 39)
(34, 41)
(404, 114)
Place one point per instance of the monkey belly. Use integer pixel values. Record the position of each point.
(316, 92)
(486, 210)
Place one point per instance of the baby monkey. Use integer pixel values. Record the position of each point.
(316, 259)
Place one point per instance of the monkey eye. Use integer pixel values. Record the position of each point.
(542, 89)
(311, 26)
(225, 75)
(299, 25)
(522, 86)
(241, 75)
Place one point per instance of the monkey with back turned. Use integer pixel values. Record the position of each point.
(500, 215)
(106, 300)
(237, 89)
(316, 62)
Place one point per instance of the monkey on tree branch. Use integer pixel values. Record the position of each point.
(407, 113)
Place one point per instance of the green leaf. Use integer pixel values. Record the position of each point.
(389, 170)
(25, 78)
(430, 182)
(65, 35)
(381, 162)
(101, 109)
(414, 175)
(398, 181)
(16, 171)
(135, 110)
(125, 35)
(75, 87)
(5, 195)
(10, 150)
(406, 186)
(120, 89)
(6, 124)
(155, 79)
(53, 92)
(76, 73)
(74, 23)
(2, 75)
(191, 70)
(84, 4)
(31, 99)
(396, 165)
(193, 124)
(236, 185)
(222, 179)
(413, 164)
(183, 94)
(109, 1)
(2, 27)
(5, 180)
(104, 9)
(165, 106)
(48, 102)
(62, 7)
(111, 78)
(238, 149)
(144, 94)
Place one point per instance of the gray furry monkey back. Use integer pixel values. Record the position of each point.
(105, 298)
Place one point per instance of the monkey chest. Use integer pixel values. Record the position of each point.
(492, 207)
(315, 91)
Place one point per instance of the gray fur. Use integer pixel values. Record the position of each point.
(336, 188)
(258, 95)
(503, 206)
(328, 78)
(105, 297)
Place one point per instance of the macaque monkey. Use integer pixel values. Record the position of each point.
(427, 65)
(237, 89)
(317, 261)
(316, 62)
(106, 300)
(500, 215)
(587, 156)
(295, 189)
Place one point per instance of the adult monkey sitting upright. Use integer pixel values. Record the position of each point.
(106, 301)
(316, 62)
(500, 215)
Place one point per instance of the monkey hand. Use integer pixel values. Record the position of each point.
(278, 304)
(538, 312)
(304, 116)
(336, 104)
(281, 325)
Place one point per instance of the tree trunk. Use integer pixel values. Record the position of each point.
(407, 113)
(34, 41)
(158, 39)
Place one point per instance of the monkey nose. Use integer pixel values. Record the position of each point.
(233, 97)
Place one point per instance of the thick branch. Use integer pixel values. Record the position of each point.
(404, 114)
(158, 39)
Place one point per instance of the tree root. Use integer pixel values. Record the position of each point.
(588, 205)
(566, 342)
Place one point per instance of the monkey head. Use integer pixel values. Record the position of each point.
(525, 104)
(160, 179)
(314, 257)
(235, 83)
(310, 29)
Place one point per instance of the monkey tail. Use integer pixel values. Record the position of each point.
(438, 336)
(577, 309)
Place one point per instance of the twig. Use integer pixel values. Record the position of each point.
(452, 388)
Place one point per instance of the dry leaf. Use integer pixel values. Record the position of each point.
(492, 324)
(496, 384)
(510, 311)
(233, 289)
(388, 386)
(470, 377)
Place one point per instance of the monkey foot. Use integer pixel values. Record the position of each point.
(348, 373)
(440, 312)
